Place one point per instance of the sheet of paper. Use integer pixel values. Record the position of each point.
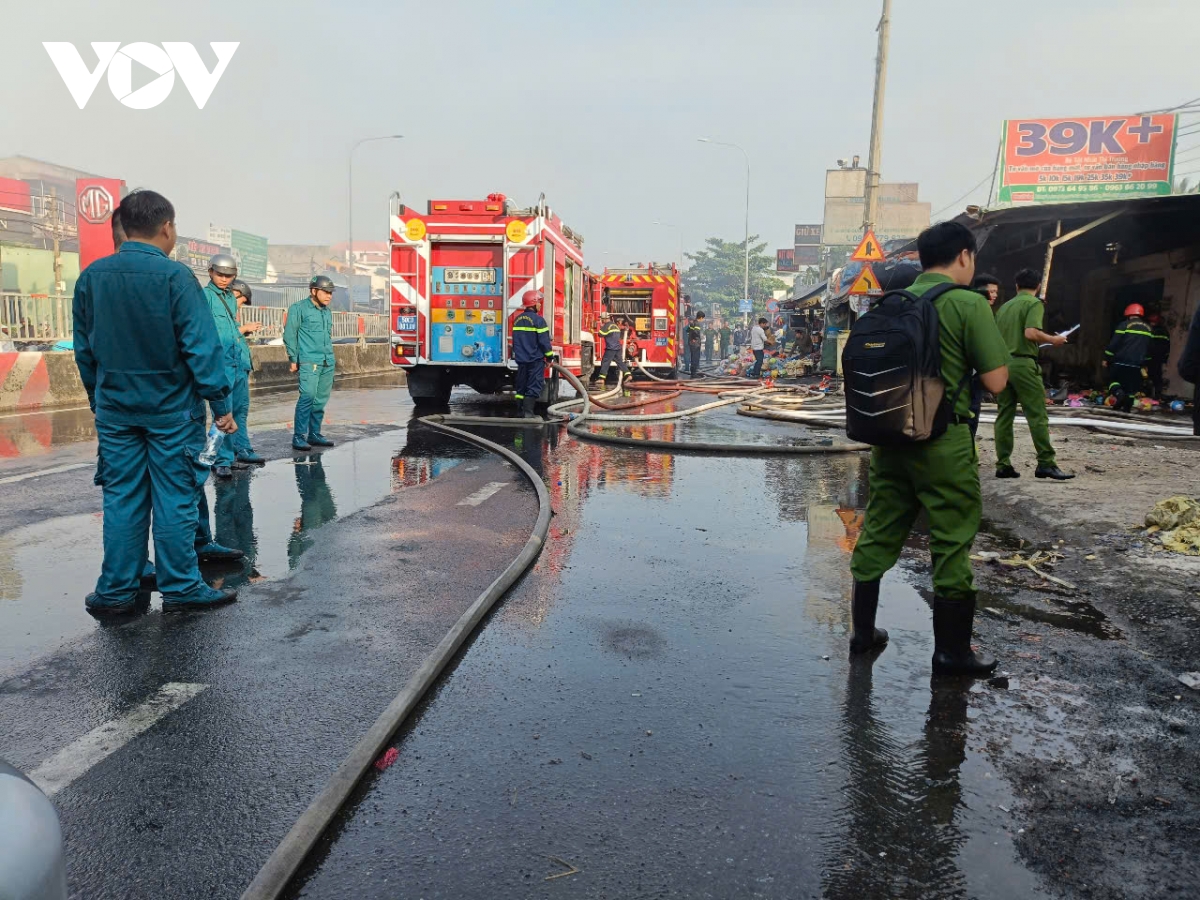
(1070, 331)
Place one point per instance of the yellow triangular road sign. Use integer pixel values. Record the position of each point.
(869, 250)
(866, 283)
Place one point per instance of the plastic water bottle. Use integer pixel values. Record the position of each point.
(213, 446)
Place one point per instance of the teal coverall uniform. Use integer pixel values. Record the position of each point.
(308, 338)
(237, 369)
(1024, 381)
(149, 356)
(940, 476)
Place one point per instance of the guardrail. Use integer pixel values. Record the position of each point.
(39, 319)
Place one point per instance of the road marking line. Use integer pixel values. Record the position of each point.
(98, 744)
(53, 470)
(483, 493)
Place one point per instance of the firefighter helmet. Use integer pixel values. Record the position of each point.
(1135, 309)
(223, 264)
(533, 298)
(1154, 319)
(242, 288)
(321, 283)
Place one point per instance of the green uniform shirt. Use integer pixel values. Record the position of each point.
(1021, 312)
(968, 336)
(224, 310)
(308, 334)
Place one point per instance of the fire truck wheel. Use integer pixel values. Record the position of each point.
(429, 389)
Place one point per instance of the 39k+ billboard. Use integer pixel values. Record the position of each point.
(1099, 158)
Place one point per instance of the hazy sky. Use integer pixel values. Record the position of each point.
(596, 102)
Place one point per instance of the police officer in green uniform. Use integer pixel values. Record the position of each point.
(242, 447)
(149, 357)
(940, 476)
(308, 337)
(1020, 324)
(222, 270)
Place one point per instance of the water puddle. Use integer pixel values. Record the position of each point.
(1078, 616)
(274, 514)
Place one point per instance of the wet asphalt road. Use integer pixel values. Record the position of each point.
(663, 707)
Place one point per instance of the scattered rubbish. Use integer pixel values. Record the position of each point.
(1174, 523)
(1162, 801)
(649, 732)
(999, 681)
(556, 762)
(1090, 557)
(1038, 558)
(585, 755)
(390, 756)
(1002, 808)
(571, 870)
(636, 694)
(1191, 679)
(826, 658)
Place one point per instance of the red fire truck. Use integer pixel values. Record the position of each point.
(459, 273)
(646, 299)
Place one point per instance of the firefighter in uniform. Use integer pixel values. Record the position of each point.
(1127, 352)
(531, 350)
(940, 476)
(308, 337)
(695, 336)
(611, 332)
(1020, 324)
(1160, 352)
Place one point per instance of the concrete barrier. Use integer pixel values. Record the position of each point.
(33, 380)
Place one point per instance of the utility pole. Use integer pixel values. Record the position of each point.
(875, 158)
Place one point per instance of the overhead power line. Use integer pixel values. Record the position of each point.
(976, 187)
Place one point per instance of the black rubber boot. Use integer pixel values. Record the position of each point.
(866, 637)
(952, 653)
(528, 405)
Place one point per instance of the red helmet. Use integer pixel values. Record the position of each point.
(533, 298)
(1154, 319)
(1135, 309)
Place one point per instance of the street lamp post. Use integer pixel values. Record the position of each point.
(350, 199)
(746, 277)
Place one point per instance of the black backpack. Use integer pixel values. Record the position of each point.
(892, 366)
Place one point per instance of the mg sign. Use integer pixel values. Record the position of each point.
(95, 204)
(163, 61)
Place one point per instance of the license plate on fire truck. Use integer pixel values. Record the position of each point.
(406, 323)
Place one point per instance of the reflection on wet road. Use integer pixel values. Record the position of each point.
(665, 703)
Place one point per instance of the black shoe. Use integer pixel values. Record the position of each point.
(1007, 472)
(952, 653)
(240, 464)
(214, 552)
(866, 636)
(1052, 472)
(206, 599)
(300, 445)
(223, 471)
(97, 607)
(252, 459)
(319, 440)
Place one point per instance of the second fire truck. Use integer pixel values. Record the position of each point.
(646, 299)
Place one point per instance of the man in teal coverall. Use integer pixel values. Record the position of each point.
(308, 337)
(222, 270)
(149, 357)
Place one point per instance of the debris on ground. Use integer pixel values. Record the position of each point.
(1032, 562)
(1191, 679)
(1174, 524)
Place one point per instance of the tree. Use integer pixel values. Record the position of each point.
(716, 275)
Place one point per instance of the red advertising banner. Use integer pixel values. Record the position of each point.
(1097, 158)
(15, 196)
(95, 200)
(785, 260)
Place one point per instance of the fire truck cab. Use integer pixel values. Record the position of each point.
(459, 273)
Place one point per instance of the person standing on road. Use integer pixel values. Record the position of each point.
(222, 270)
(1160, 352)
(725, 334)
(695, 331)
(1125, 355)
(1189, 368)
(758, 345)
(1020, 324)
(308, 337)
(149, 357)
(242, 448)
(531, 351)
(710, 337)
(941, 475)
(611, 332)
(989, 287)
